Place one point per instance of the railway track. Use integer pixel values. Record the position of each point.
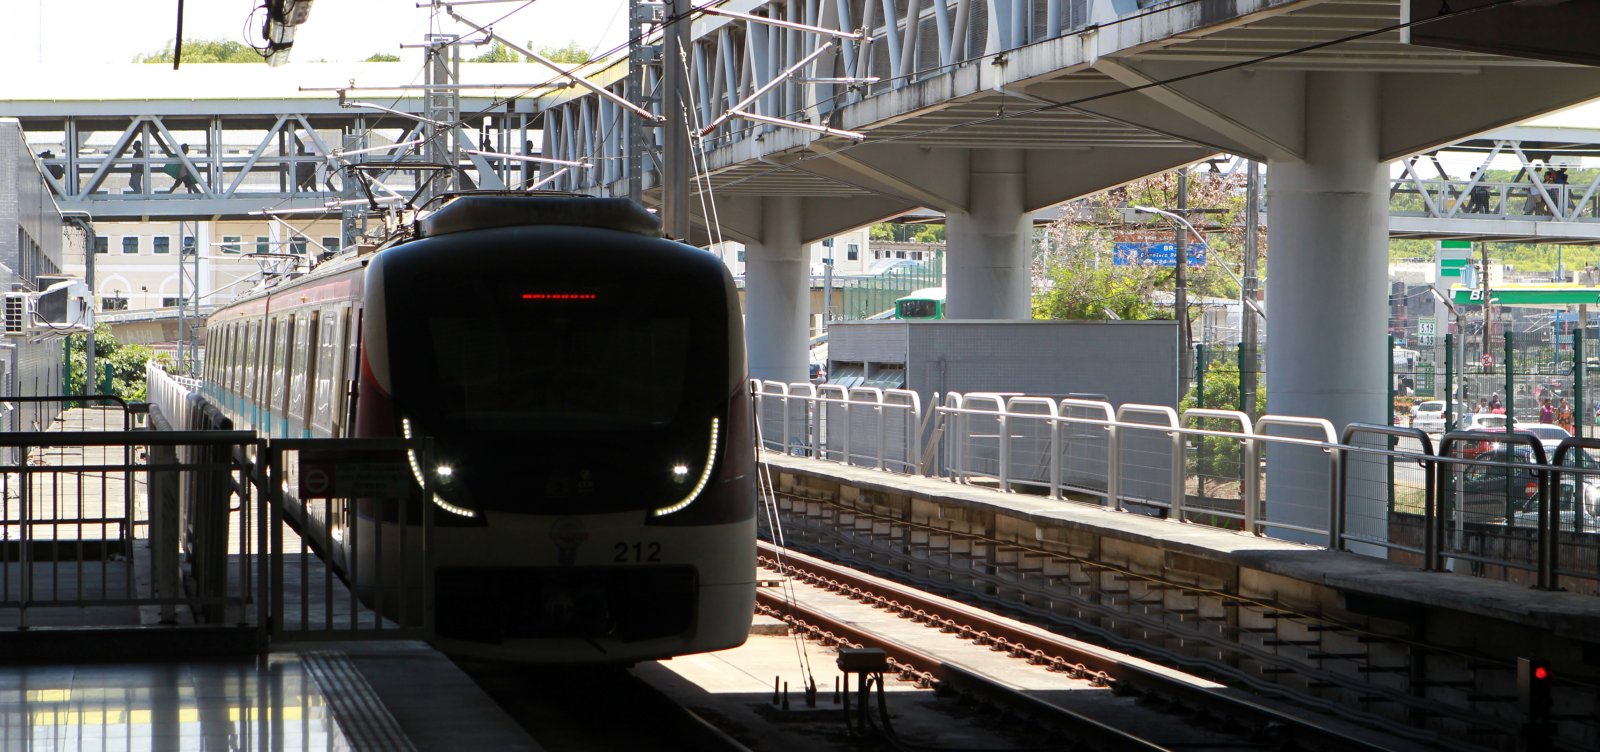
(1428, 694)
(1129, 704)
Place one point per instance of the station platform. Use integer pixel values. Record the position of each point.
(323, 696)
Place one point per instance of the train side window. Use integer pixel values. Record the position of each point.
(296, 407)
(352, 367)
(247, 377)
(282, 338)
(325, 394)
(252, 357)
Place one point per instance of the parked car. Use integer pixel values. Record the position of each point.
(818, 373)
(1429, 415)
(1550, 435)
(1510, 493)
(1493, 422)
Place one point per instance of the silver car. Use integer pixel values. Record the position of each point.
(1429, 416)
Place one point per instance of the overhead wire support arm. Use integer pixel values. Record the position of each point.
(552, 65)
(528, 158)
(738, 109)
(392, 111)
(823, 129)
(859, 36)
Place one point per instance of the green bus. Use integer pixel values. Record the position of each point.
(926, 303)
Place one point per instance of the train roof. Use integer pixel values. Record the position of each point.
(480, 212)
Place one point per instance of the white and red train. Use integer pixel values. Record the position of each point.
(583, 382)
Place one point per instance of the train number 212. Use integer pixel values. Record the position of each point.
(637, 552)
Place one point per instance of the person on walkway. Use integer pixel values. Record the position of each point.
(136, 174)
(180, 175)
(1564, 416)
(1478, 197)
(1547, 412)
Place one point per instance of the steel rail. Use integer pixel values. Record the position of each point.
(1042, 647)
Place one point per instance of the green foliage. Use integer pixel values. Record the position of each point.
(1217, 456)
(896, 232)
(205, 51)
(498, 53)
(382, 57)
(571, 54)
(1081, 278)
(127, 364)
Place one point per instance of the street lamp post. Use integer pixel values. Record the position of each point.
(1461, 352)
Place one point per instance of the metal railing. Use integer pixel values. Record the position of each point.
(1286, 477)
(93, 520)
(863, 426)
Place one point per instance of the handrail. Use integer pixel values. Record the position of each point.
(953, 412)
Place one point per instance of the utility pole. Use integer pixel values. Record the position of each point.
(634, 131)
(675, 146)
(1247, 291)
(188, 298)
(1488, 357)
(1180, 300)
(443, 106)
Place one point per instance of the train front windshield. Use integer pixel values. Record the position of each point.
(532, 384)
(919, 309)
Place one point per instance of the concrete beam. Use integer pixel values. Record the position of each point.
(1425, 111)
(1255, 113)
(1057, 175)
(920, 176)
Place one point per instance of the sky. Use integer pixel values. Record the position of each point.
(75, 32)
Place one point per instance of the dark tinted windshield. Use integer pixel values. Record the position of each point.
(919, 309)
(548, 352)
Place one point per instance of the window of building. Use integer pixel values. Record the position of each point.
(113, 303)
(171, 302)
(916, 255)
(899, 254)
(163, 244)
(741, 255)
(230, 243)
(130, 244)
(102, 244)
(852, 251)
(876, 255)
(298, 246)
(263, 244)
(330, 243)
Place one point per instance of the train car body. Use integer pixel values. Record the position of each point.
(583, 383)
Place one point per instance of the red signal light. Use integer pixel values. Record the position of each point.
(560, 296)
(1541, 673)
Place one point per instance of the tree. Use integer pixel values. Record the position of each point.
(498, 53)
(127, 364)
(206, 51)
(1081, 275)
(382, 57)
(570, 54)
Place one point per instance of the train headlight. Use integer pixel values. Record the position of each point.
(700, 485)
(444, 472)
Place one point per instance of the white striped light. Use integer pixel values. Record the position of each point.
(700, 485)
(416, 472)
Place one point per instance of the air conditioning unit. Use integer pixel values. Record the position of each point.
(62, 308)
(18, 314)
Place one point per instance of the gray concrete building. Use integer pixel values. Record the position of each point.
(32, 239)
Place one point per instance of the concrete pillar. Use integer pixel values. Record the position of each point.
(1327, 299)
(987, 261)
(777, 300)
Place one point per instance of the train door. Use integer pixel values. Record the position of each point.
(282, 339)
(300, 374)
(325, 399)
(352, 366)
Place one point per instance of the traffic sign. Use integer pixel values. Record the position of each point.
(1156, 254)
